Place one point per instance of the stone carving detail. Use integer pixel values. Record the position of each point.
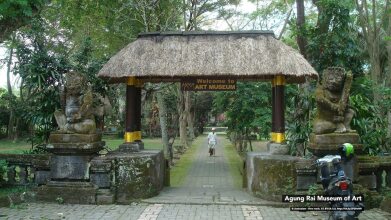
(332, 98)
(77, 115)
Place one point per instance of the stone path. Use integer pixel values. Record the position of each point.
(207, 193)
(144, 211)
(208, 181)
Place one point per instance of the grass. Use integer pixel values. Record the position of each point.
(10, 147)
(181, 169)
(21, 146)
(234, 161)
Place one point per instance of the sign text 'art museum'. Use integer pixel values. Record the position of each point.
(208, 84)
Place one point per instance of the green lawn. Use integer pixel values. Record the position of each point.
(19, 147)
(9, 147)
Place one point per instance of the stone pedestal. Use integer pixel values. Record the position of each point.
(70, 168)
(270, 176)
(138, 175)
(277, 148)
(131, 147)
(75, 144)
(327, 144)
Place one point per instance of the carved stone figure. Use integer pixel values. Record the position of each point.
(332, 99)
(77, 115)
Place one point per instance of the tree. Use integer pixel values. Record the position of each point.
(334, 41)
(373, 21)
(41, 71)
(388, 84)
(17, 13)
(202, 107)
(248, 109)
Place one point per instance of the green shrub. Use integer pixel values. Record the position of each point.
(3, 167)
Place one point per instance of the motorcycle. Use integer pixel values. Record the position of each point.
(336, 183)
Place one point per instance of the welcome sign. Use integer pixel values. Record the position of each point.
(208, 84)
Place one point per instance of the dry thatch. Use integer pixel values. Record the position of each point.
(241, 55)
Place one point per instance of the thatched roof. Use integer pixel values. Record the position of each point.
(243, 55)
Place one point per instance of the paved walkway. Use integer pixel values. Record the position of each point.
(208, 181)
(207, 193)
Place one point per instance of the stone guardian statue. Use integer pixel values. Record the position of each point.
(77, 115)
(332, 99)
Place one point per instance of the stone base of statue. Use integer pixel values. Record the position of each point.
(324, 144)
(70, 162)
(63, 143)
(72, 154)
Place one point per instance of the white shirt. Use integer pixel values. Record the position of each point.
(212, 137)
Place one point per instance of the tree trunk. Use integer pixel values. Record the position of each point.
(388, 75)
(182, 118)
(301, 40)
(11, 121)
(163, 124)
(375, 67)
(324, 20)
(17, 128)
(302, 43)
(285, 24)
(189, 117)
(249, 140)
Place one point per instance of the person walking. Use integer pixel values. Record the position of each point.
(212, 141)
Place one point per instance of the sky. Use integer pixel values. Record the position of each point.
(244, 7)
(3, 71)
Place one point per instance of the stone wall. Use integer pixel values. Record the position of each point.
(270, 176)
(117, 177)
(25, 169)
